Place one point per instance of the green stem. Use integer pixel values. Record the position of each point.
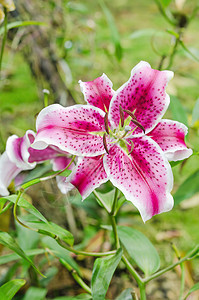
(114, 226)
(135, 275)
(182, 283)
(113, 211)
(4, 38)
(101, 201)
(77, 278)
(15, 211)
(173, 53)
(189, 256)
(78, 252)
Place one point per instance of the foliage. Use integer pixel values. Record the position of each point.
(92, 244)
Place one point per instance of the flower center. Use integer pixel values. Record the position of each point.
(123, 129)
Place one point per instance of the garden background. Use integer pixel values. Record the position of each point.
(80, 40)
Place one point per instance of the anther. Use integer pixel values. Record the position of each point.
(138, 124)
(106, 122)
(130, 114)
(104, 142)
(121, 115)
(132, 147)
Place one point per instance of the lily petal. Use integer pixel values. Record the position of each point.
(17, 150)
(8, 171)
(144, 176)
(60, 163)
(72, 129)
(88, 175)
(144, 95)
(170, 136)
(40, 156)
(98, 92)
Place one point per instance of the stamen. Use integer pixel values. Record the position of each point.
(138, 124)
(104, 142)
(121, 115)
(106, 122)
(132, 147)
(130, 114)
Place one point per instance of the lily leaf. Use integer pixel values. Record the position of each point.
(8, 241)
(10, 288)
(194, 288)
(188, 188)
(26, 205)
(195, 114)
(21, 24)
(35, 293)
(103, 271)
(53, 230)
(4, 259)
(126, 295)
(113, 29)
(139, 249)
(178, 111)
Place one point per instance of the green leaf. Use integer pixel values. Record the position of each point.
(165, 3)
(9, 289)
(125, 295)
(61, 252)
(8, 241)
(79, 297)
(175, 163)
(53, 230)
(113, 30)
(26, 205)
(194, 288)
(142, 33)
(103, 271)
(188, 188)
(108, 198)
(2, 203)
(65, 173)
(34, 293)
(195, 114)
(139, 249)
(178, 111)
(4, 259)
(20, 24)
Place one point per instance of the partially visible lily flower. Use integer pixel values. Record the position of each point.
(8, 4)
(122, 138)
(2, 15)
(60, 163)
(19, 156)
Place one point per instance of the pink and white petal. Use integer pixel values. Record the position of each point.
(17, 150)
(8, 171)
(71, 129)
(170, 136)
(60, 163)
(98, 92)
(43, 155)
(144, 95)
(88, 175)
(144, 176)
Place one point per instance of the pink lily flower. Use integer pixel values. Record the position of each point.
(121, 137)
(19, 156)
